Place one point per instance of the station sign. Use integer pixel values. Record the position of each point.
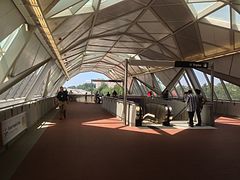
(12, 127)
(190, 64)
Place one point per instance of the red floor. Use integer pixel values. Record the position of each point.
(92, 145)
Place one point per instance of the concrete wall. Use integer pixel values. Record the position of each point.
(227, 108)
(115, 107)
(81, 98)
(34, 111)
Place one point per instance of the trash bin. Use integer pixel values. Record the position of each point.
(207, 115)
(138, 122)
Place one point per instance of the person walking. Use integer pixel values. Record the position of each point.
(62, 97)
(191, 102)
(201, 101)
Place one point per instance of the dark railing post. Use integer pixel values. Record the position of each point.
(125, 93)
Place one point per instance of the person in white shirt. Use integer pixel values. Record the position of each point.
(191, 102)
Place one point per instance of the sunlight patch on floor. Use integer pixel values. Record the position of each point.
(228, 121)
(114, 123)
(46, 125)
(141, 130)
(105, 123)
(176, 127)
(147, 128)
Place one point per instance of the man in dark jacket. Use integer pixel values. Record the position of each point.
(191, 102)
(62, 97)
(200, 102)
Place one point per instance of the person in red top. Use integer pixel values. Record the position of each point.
(149, 94)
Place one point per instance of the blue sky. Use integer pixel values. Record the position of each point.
(83, 78)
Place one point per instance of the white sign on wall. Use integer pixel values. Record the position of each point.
(13, 126)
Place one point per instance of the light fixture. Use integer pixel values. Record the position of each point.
(42, 21)
(26, 27)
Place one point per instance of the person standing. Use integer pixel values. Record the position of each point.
(62, 97)
(185, 94)
(149, 94)
(70, 96)
(86, 97)
(165, 94)
(200, 102)
(96, 96)
(191, 102)
(114, 94)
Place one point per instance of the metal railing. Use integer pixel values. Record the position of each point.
(23, 103)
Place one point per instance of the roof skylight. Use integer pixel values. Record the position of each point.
(5, 43)
(220, 17)
(81, 8)
(222, 14)
(198, 6)
(236, 20)
(201, 6)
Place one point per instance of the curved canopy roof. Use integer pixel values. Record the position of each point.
(98, 35)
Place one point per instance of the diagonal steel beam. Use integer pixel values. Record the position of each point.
(5, 86)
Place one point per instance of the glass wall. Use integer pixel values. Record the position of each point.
(206, 88)
(233, 90)
(223, 90)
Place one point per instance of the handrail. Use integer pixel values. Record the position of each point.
(119, 99)
(207, 103)
(22, 103)
(180, 112)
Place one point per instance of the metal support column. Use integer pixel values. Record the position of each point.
(212, 93)
(125, 93)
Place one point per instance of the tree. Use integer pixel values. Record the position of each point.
(219, 91)
(103, 89)
(72, 87)
(233, 90)
(87, 86)
(118, 89)
(206, 89)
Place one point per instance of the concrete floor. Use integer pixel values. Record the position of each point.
(91, 144)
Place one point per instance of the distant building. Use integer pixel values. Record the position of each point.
(78, 91)
(98, 84)
(110, 84)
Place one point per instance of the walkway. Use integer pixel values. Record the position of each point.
(92, 145)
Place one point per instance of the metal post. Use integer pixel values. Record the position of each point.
(212, 95)
(125, 92)
(91, 91)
